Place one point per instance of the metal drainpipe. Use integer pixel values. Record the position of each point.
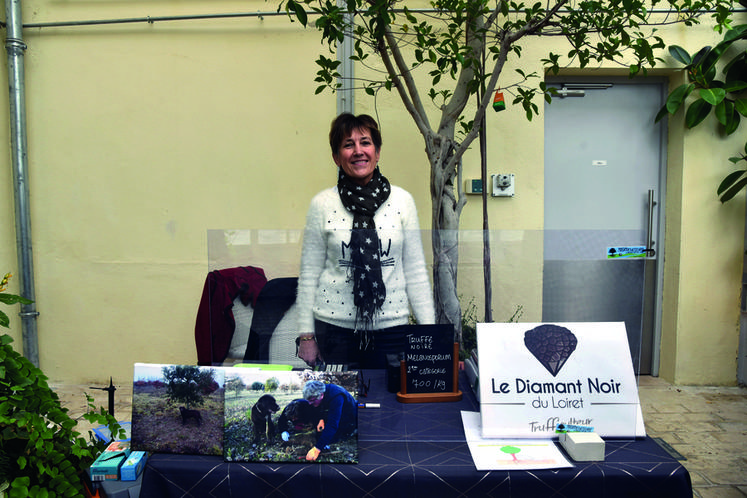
(15, 47)
(345, 101)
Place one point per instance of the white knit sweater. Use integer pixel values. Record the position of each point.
(324, 291)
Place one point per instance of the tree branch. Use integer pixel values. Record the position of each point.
(451, 111)
(506, 40)
(409, 92)
(534, 27)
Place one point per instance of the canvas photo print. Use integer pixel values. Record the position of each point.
(290, 416)
(177, 409)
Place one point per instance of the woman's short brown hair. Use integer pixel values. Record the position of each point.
(344, 125)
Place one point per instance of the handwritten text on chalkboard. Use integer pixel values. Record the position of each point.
(429, 359)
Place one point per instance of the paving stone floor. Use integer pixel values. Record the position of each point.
(707, 426)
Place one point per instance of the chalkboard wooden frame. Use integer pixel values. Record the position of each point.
(430, 397)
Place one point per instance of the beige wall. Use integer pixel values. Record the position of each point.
(705, 239)
(144, 136)
(711, 238)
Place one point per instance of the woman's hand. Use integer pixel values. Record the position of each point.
(313, 454)
(308, 351)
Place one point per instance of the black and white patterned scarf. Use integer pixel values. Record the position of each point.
(364, 269)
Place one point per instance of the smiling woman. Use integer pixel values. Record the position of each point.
(358, 156)
(362, 265)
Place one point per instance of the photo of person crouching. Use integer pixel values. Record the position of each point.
(338, 415)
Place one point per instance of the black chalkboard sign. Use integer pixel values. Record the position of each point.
(430, 366)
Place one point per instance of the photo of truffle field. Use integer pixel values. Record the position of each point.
(177, 409)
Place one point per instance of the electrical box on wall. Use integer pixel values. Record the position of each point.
(473, 186)
(503, 185)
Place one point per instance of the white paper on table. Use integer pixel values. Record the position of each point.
(509, 454)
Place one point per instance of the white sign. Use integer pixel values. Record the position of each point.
(534, 376)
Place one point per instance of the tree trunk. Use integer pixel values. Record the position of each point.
(486, 265)
(446, 210)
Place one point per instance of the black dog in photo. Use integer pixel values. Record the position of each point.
(190, 414)
(262, 417)
(298, 416)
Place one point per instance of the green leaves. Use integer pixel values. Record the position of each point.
(45, 455)
(327, 74)
(734, 182)
(296, 9)
(727, 116)
(732, 185)
(697, 112)
(9, 299)
(680, 54)
(459, 47)
(525, 97)
(740, 105)
(13, 299)
(713, 96)
(722, 96)
(678, 96)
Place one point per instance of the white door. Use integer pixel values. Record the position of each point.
(603, 199)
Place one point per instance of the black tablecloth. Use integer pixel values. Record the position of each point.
(418, 450)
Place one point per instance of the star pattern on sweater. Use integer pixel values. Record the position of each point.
(365, 257)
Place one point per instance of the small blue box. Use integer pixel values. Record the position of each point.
(133, 466)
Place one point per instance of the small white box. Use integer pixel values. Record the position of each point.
(583, 446)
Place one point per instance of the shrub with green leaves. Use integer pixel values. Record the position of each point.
(709, 90)
(42, 453)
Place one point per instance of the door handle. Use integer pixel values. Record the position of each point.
(650, 251)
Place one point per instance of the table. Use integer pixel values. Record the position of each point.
(414, 450)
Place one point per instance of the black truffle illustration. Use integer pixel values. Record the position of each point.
(552, 345)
